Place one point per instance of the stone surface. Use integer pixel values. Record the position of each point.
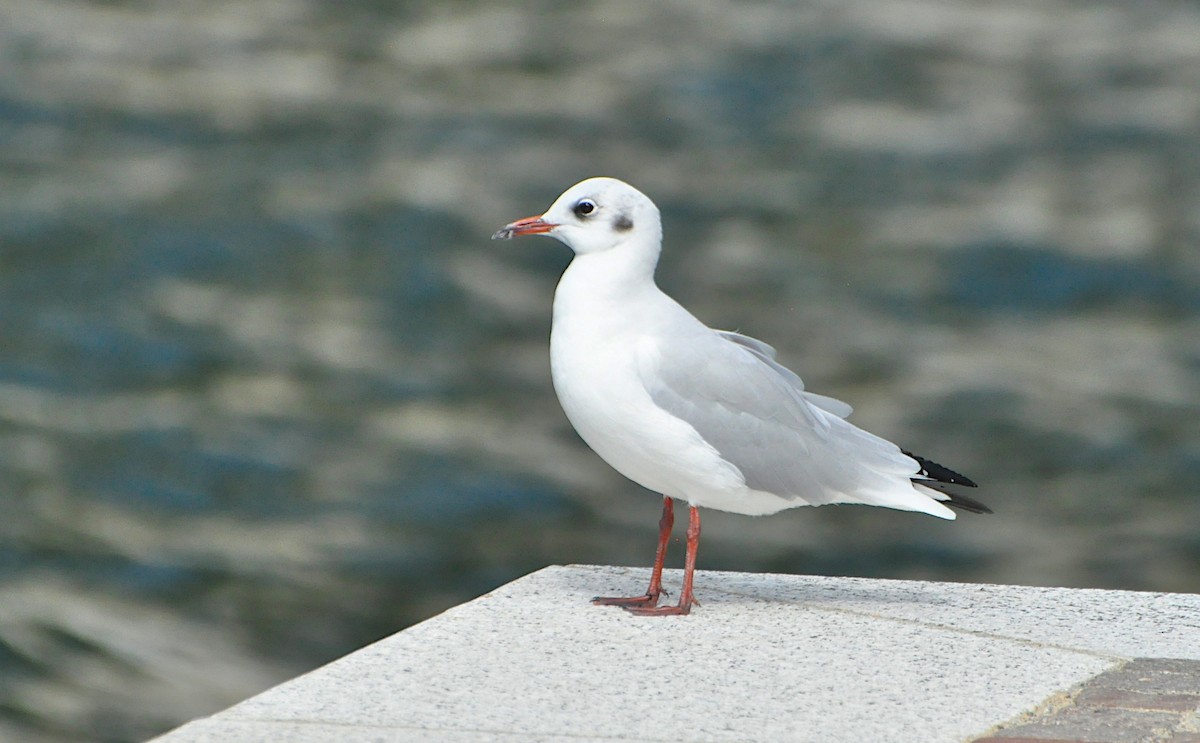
(1147, 699)
(765, 658)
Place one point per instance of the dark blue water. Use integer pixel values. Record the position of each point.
(268, 392)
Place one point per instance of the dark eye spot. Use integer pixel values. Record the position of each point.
(584, 207)
(623, 224)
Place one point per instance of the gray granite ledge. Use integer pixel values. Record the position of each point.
(765, 658)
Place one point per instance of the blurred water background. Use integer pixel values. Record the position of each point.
(268, 392)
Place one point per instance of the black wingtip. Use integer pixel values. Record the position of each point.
(935, 471)
(963, 503)
(933, 475)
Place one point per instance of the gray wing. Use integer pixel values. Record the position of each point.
(757, 415)
(766, 354)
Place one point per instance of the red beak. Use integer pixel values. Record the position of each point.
(526, 226)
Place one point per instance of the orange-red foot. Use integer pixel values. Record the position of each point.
(646, 601)
(659, 611)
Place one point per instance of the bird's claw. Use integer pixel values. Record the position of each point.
(647, 600)
(658, 611)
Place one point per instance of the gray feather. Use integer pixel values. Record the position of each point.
(757, 415)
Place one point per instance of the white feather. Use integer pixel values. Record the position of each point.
(709, 417)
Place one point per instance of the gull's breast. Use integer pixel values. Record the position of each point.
(606, 402)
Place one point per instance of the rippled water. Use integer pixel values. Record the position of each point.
(268, 392)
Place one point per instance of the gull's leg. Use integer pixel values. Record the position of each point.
(655, 590)
(686, 597)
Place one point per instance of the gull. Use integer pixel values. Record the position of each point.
(707, 417)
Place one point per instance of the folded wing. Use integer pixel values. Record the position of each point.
(785, 440)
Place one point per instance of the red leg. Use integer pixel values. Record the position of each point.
(655, 590)
(686, 597)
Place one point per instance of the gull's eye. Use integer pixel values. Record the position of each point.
(584, 208)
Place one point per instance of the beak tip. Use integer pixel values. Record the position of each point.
(527, 226)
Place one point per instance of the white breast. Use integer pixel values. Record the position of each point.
(593, 362)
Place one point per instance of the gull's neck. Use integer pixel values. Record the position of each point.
(605, 293)
(612, 275)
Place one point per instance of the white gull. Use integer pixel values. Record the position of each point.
(704, 416)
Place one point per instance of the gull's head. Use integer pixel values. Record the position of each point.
(593, 216)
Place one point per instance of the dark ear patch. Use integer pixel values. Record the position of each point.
(622, 223)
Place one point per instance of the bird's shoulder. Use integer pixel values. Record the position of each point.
(730, 370)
